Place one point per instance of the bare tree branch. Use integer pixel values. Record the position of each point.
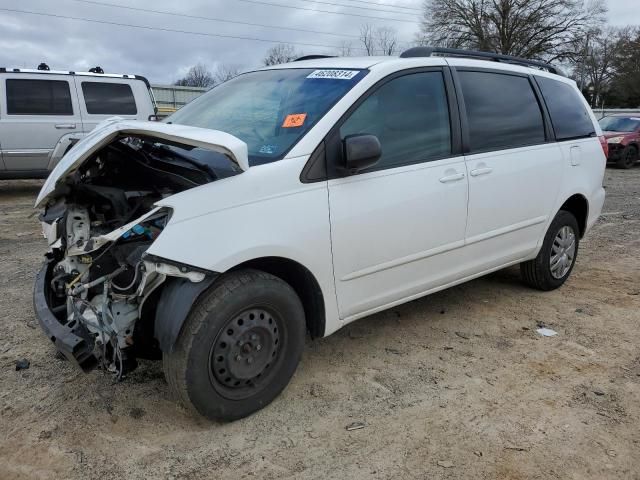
(197, 76)
(226, 72)
(281, 53)
(528, 28)
(387, 40)
(367, 39)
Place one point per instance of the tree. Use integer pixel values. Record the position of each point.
(624, 88)
(544, 29)
(595, 67)
(345, 49)
(381, 40)
(281, 53)
(226, 72)
(387, 40)
(197, 76)
(367, 39)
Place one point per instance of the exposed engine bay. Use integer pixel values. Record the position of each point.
(99, 223)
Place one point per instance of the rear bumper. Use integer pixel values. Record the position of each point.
(74, 341)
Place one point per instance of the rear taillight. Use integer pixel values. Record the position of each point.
(605, 145)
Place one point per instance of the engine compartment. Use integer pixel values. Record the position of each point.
(99, 223)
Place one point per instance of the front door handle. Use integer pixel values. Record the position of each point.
(66, 126)
(481, 171)
(452, 178)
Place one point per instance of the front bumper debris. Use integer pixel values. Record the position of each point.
(72, 339)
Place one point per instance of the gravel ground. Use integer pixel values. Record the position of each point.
(455, 385)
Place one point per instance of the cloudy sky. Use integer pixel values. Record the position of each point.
(163, 54)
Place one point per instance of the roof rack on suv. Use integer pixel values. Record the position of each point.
(91, 73)
(313, 57)
(496, 57)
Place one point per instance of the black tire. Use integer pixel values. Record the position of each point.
(247, 314)
(628, 157)
(537, 273)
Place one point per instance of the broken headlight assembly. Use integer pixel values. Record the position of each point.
(99, 283)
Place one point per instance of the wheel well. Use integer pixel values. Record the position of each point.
(304, 284)
(579, 207)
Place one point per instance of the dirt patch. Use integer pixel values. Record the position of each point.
(455, 385)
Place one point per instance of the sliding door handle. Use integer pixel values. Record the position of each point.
(66, 126)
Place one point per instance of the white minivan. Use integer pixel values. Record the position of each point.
(301, 197)
(43, 113)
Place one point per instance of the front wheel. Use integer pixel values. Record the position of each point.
(555, 261)
(239, 346)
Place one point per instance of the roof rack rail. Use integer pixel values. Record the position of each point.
(313, 57)
(496, 57)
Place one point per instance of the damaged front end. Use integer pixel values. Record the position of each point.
(97, 293)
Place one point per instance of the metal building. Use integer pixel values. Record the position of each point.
(170, 98)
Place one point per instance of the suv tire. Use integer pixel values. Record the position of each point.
(555, 261)
(628, 157)
(239, 346)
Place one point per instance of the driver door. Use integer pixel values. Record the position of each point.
(397, 228)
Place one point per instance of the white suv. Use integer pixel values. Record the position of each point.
(43, 113)
(302, 197)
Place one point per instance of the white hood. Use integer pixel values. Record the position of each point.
(108, 130)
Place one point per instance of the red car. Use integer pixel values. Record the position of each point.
(623, 139)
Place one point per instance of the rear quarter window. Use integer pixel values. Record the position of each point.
(569, 116)
(109, 98)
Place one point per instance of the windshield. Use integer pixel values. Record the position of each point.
(269, 110)
(620, 124)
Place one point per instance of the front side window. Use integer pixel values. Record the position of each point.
(502, 111)
(569, 116)
(410, 117)
(109, 98)
(38, 97)
(270, 110)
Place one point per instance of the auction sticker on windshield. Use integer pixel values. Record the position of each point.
(294, 120)
(334, 74)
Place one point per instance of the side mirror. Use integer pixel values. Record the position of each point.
(361, 151)
(154, 118)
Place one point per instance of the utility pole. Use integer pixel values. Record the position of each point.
(583, 65)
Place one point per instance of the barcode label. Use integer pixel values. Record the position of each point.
(333, 74)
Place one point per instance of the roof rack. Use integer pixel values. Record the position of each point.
(313, 57)
(496, 57)
(83, 74)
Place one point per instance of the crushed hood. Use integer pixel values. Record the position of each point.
(107, 131)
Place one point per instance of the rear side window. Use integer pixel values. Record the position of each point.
(569, 116)
(410, 117)
(502, 111)
(38, 97)
(109, 98)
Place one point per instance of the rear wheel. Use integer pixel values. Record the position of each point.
(555, 261)
(239, 346)
(628, 157)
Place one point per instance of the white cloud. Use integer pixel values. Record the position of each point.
(163, 57)
(624, 12)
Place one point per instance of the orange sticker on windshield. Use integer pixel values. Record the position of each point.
(294, 120)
